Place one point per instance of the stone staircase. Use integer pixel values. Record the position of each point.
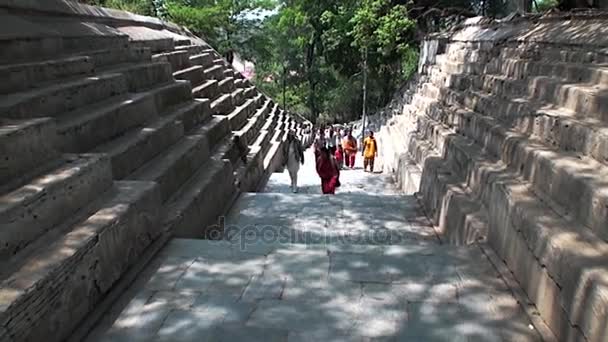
(510, 147)
(113, 138)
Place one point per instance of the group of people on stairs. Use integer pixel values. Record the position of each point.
(334, 151)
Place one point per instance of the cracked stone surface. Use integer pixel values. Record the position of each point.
(359, 266)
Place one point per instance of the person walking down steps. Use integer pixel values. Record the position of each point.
(293, 155)
(370, 152)
(350, 149)
(328, 171)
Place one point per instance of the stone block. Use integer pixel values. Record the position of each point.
(25, 145)
(175, 166)
(209, 89)
(30, 211)
(63, 97)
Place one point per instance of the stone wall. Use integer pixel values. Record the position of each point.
(117, 132)
(504, 141)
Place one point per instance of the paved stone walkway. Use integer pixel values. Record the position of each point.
(363, 265)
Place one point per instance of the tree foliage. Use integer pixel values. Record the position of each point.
(309, 54)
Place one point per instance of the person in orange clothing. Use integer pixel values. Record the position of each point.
(349, 144)
(370, 152)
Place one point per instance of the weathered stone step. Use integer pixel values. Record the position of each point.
(182, 42)
(41, 48)
(130, 54)
(553, 54)
(271, 123)
(216, 130)
(136, 147)
(215, 72)
(191, 49)
(159, 45)
(250, 92)
(199, 202)
(204, 59)
(143, 76)
(83, 129)
(239, 116)
(69, 275)
(557, 127)
(222, 105)
(25, 144)
(582, 98)
(28, 212)
(174, 166)
(193, 74)
(178, 59)
(238, 97)
(263, 141)
(560, 175)
(172, 94)
(250, 175)
(62, 97)
(571, 72)
(227, 85)
(248, 133)
(18, 77)
(533, 233)
(209, 90)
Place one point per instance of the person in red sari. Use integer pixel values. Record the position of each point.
(327, 168)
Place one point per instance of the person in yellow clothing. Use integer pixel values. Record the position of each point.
(370, 152)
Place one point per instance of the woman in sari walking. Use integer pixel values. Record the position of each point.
(328, 170)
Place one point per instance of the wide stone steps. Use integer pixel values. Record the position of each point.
(227, 85)
(68, 274)
(175, 165)
(571, 72)
(209, 89)
(216, 129)
(204, 59)
(29, 211)
(18, 77)
(215, 72)
(199, 202)
(194, 74)
(142, 76)
(536, 251)
(62, 97)
(68, 95)
(83, 129)
(251, 129)
(131, 150)
(553, 54)
(560, 174)
(557, 127)
(582, 98)
(238, 117)
(177, 59)
(25, 144)
(223, 105)
(33, 49)
(562, 127)
(191, 49)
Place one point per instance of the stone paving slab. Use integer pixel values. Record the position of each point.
(260, 287)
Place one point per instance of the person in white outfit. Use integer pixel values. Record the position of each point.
(293, 155)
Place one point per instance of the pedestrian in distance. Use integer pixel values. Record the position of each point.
(370, 152)
(349, 144)
(293, 156)
(339, 155)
